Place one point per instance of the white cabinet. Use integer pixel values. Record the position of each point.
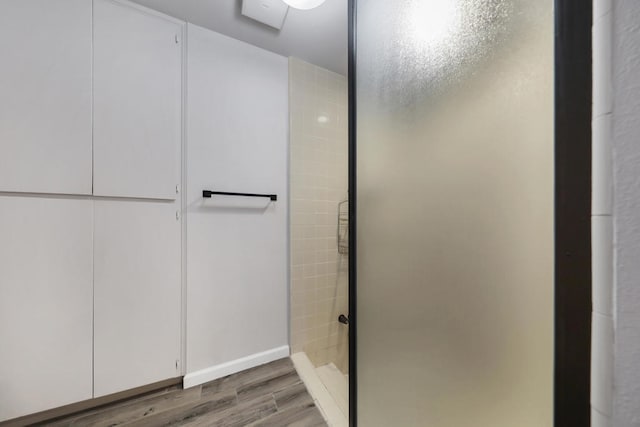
(137, 152)
(137, 102)
(90, 288)
(45, 303)
(137, 275)
(45, 96)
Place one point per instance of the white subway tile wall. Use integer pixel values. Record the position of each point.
(318, 182)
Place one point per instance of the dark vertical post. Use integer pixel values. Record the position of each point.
(353, 206)
(573, 20)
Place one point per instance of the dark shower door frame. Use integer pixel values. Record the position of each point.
(572, 276)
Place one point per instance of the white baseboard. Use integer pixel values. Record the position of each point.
(218, 371)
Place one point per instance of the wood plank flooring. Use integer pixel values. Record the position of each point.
(267, 395)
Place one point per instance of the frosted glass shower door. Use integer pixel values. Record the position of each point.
(454, 201)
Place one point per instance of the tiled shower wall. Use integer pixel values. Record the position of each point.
(319, 180)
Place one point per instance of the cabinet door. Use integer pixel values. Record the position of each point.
(137, 294)
(137, 102)
(46, 300)
(45, 96)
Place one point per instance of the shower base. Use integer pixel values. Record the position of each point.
(328, 388)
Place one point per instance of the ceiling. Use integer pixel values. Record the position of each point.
(318, 35)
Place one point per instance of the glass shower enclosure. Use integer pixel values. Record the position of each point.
(454, 186)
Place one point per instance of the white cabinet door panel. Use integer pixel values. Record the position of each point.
(46, 296)
(45, 96)
(137, 294)
(137, 102)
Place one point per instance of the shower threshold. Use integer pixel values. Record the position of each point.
(328, 387)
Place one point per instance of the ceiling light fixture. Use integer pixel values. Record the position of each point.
(304, 4)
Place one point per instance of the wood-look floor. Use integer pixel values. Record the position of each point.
(268, 395)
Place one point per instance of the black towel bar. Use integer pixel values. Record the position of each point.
(207, 194)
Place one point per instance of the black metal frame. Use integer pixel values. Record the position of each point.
(353, 207)
(573, 76)
(573, 21)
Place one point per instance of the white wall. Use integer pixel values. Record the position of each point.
(237, 141)
(626, 210)
(616, 209)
